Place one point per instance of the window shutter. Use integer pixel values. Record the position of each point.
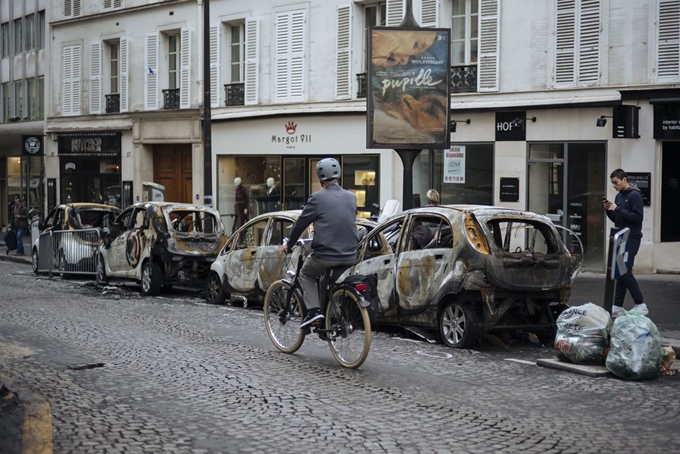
(252, 56)
(565, 45)
(76, 80)
(589, 43)
(117, 3)
(67, 85)
(668, 41)
(151, 71)
(297, 56)
(289, 56)
(281, 57)
(68, 8)
(76, 7)
(96, 77)
(185, 70)
(343, 74)
(429, 13)
(489, 33)
(395, 12)
(107, 3)
(215, 66)
(123, 77)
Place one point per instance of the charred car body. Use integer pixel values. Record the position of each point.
(161, 244)
(252, 259)
(465, 269)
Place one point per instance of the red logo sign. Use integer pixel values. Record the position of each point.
(291, 127)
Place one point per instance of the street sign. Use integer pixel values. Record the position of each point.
(620, 253)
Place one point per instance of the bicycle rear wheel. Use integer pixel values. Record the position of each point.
(283, 324)
(349, 329)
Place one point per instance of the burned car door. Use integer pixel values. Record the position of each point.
(116, 241)
(137, 239)
(377, 255)
(242, 266)
(271, 260)
(426, 257)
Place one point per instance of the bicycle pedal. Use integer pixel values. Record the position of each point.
(307, 330)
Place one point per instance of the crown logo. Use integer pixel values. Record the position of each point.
(291, 127)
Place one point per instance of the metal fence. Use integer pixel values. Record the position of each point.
(69, 251)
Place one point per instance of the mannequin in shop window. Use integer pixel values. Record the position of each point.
(271, 201)
(241, 205)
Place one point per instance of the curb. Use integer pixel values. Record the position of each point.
(36, 429)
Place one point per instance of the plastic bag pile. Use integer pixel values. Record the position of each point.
(635, 352)
(582, 333)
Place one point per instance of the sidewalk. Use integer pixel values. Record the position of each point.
(12, 256)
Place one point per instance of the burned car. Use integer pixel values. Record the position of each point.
(69, 237)
(161, 244)
(252, 259)
(466, 269)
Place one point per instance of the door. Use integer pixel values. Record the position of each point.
(670, 192)
(172, 167)
(242, 263)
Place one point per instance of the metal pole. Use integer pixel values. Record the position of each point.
(609, 282)
(207, 125)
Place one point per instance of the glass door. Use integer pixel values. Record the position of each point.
(293, 183)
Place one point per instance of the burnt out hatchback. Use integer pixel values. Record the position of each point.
(463, 270)
(161, 244)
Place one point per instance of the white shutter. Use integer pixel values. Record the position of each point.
(298, 39)
(290, 56)
(107, 3)
(343, 58)
(668, 41)
(252, 56)
(151, 71)
(395, 12)
(589, 43)
(489, 33)
(96, 77)
(215, 66)
(185, 70)
(76, 79)
(67, 84)
(76, 8)
(565, 42)
(123, 76)
(117, 3)
(281, 57)
(429, 13)
(68, 8)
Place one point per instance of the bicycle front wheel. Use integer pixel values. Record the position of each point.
(282, 319)
(348, 329)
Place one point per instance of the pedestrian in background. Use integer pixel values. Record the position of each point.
(20, 222)
(626, 211)
(432, 197)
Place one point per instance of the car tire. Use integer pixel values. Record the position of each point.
(458, 325)
(214, 291)
(152, 279)
(102, 279)
(34, 260)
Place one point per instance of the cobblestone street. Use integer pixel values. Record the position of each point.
(168, 374)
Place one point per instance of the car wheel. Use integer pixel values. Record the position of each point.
(458, 325)
(214, 292)
(34, 260)
(152, 279)
(101, 271)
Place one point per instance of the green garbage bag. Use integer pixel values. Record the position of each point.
(582, 333)
(635, 352)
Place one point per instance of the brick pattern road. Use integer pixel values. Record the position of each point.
(171, 374)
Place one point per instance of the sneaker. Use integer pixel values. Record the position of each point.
(642, 308)
(617, 310)
(313, 315)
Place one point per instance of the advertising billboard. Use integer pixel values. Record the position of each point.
(408, 96)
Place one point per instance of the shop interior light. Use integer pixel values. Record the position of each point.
(452, 124)
(602, 121)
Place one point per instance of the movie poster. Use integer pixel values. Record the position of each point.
(408, 88)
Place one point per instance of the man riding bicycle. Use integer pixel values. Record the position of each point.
(333, 211)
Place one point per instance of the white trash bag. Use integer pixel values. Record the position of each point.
(635, 352)
(582, 333)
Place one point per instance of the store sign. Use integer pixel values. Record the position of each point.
(99, 144)
(626, 122)
(510, 126)
(509, 190)
(454, 165)
(291, 136)
(667, 121)
(643, 180)
(33, 146)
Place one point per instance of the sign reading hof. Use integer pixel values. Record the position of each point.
(89, 144)
(33, 146)
(510, 126)
(408, 88)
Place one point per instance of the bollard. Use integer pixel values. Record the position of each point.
(609, 281)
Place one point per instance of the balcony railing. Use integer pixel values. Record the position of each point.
(112, 103)
(171, 99)
(234, 94)
(464, 79)
(361, 82)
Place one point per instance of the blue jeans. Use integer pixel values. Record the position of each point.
(627, 281)
(20, 244)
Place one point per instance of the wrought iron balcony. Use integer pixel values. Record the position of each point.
(113, 103)
(235, 94)
(464, 79)
(171, 99)
(361, 82)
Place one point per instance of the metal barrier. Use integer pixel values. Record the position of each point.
(69, 251)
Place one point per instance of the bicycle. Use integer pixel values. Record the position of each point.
(347, 322)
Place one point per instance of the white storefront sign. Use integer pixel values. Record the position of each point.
(454, 165)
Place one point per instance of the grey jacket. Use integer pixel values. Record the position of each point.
(333, 211)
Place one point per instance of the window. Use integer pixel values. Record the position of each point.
(40, 101)
(32, 94)
(173, 61)
(19, 99)
(71, 8)
(30, 32)
(41, 29)
(464, 32)
(374, 16)
(5, 39)
(108, 4)
(5, 102)
(289, 56)
(252, 236)
(114, 67)
(668, 41)
(577, 43)
(237, 61)
(18, 36)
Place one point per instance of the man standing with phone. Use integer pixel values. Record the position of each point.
(626, 211)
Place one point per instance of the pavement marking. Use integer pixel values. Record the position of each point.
(441, 355)
(37, 433)
(521, 361)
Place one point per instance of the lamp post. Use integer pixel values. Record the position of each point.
(207, 125)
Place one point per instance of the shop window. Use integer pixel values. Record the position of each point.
(360, 175)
